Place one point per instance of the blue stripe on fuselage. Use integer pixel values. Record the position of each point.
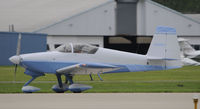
(136, 68)
(51, 67)
(46, 67)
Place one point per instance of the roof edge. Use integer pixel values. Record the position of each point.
(5, 32)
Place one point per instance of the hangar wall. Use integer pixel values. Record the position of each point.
(151, 14)
(95, 21)
(30, 43)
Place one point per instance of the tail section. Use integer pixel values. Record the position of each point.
(164, 49)
(186, 49)
(185, 46)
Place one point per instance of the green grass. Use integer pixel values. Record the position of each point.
(186, 79)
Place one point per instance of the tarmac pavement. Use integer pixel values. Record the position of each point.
(98, 101)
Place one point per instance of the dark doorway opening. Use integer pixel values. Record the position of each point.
(133, 44)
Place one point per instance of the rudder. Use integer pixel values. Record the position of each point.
(164, 49)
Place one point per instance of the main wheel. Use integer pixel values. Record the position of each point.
(77, 91)
(57, 89)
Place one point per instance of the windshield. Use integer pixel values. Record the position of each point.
(65, 48)
(77, 48)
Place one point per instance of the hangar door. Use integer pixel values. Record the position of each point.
(126, 17)
(133, 44)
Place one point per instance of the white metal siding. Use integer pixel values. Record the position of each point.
(96, 21)
(31, 15)
(151, 15)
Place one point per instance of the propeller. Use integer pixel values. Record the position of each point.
(17, 53)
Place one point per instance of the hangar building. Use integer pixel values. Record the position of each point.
(119, 24)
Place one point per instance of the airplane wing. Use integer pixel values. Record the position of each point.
(87, 68)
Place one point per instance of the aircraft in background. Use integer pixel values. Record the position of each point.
(189, 55)
(188, 61)
(71, 59)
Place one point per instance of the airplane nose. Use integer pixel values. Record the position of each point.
(15, 59)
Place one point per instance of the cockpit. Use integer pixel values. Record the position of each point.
(77, 48)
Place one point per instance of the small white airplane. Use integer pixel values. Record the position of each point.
(188, 61)
(189, 55)
(71, 59)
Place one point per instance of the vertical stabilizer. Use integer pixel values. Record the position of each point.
(164, 49)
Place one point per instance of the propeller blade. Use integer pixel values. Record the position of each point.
(19, 44)
(15, 72)
(17, 53)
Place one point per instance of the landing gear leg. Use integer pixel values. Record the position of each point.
(99, 76)
(91, 79)
(27, 83)
(66, 80)
(60, 87)
(69, 78)
(29, 89)
(59, 80)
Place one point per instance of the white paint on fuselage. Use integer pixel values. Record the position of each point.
(101, 56)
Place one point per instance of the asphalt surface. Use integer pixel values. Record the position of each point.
(98, 101)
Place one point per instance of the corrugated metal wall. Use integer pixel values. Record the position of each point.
(30, 43)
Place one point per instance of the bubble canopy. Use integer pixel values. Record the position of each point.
(77, 48)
